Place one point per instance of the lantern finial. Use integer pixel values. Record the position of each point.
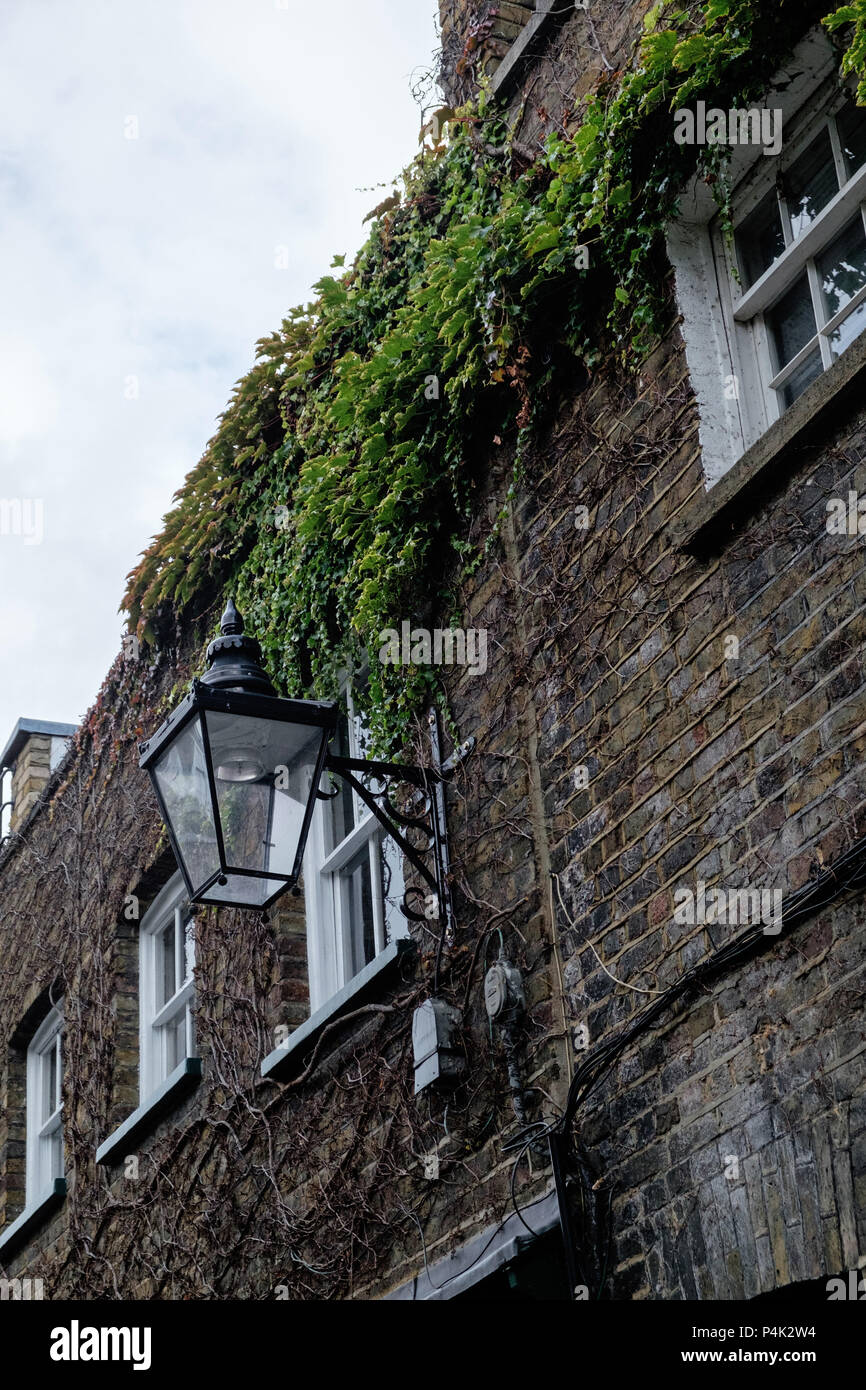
(231, 620)
(234, 661)
(236, 771)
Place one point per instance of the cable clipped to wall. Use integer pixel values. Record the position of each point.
(848, 872)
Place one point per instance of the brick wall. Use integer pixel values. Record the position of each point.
(743, 771)
(728, 1145)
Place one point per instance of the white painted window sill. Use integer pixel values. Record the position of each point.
(142, 1121)
(14, 1236)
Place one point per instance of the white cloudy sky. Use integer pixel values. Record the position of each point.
(258, 121)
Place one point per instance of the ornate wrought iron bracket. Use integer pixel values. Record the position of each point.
(429, 783)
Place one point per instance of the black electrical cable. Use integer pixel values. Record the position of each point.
(483, 1251)
(848, 872)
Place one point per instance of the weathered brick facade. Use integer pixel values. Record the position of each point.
(728, 1143)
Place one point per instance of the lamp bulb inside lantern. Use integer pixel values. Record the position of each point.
(241, 765)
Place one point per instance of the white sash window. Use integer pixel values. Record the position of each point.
(44, 1144)
(353, 877)
(766, 315)
(166, 989)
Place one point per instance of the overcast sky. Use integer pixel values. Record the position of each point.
(154, 158)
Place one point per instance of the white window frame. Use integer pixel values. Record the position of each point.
(724, 327)
(169, 910)
(334, 940)
(43, 1163)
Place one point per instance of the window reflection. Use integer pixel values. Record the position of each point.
(792, 322)
(807, 372)
(760, 239)
(842, 267)
(851, 124)
(810, 183)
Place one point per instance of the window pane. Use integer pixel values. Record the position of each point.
(363, 740)
(358, 892)
(342, 808)
(792, 322)
(842, 267)
(760, 239)
(49, 1088)
(805, 374)
(810, 183)
(167, 961)
(175, 1042)
(851, 124)
(848, 330)
(55, 1148)
(189, 948)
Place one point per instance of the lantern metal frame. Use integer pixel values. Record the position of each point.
(199, 699)
(236, 683)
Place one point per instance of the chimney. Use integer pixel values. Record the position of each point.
(35, 749)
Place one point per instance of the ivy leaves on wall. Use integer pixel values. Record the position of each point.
(854, 60)
(336, 494)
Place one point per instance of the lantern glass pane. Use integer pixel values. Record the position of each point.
(263, 774)
(242, 890)
(180, 773)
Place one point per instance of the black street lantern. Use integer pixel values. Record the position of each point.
(236, 771)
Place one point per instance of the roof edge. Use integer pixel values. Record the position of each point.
(24, 728)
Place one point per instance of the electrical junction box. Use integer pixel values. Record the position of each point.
(503, 990)
(434, 1043)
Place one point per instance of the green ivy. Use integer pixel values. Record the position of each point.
(337, 494)
(854, 61)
